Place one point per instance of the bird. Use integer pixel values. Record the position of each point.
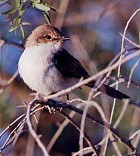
(46, 67)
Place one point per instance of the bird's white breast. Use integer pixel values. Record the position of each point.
(34, 69)
(39, 73)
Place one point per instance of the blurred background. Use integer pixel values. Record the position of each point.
(94, 29)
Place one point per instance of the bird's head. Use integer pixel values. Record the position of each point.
(45, 34)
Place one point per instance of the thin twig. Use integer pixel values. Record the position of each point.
(62, 11)
(121, 56)
(83, 121)
(33, 133)
(132, 71)
(121, 114)
(134, 44)
(60, 129)
(4, 83)
(77, 127)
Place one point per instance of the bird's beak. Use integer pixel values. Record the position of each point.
(65, 38)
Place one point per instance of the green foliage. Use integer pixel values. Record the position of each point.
(19, 8)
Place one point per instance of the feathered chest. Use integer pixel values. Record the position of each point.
(36, 69)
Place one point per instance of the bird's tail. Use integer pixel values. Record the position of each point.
(106, 89)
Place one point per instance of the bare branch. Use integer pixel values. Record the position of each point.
(33, 133)
(59, 104)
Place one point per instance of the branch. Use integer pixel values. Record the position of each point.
(77, 127)
(31, 130)
(58, 104)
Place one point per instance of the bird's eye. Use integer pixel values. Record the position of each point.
(48, 37)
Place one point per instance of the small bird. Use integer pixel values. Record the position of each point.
(47, 68)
